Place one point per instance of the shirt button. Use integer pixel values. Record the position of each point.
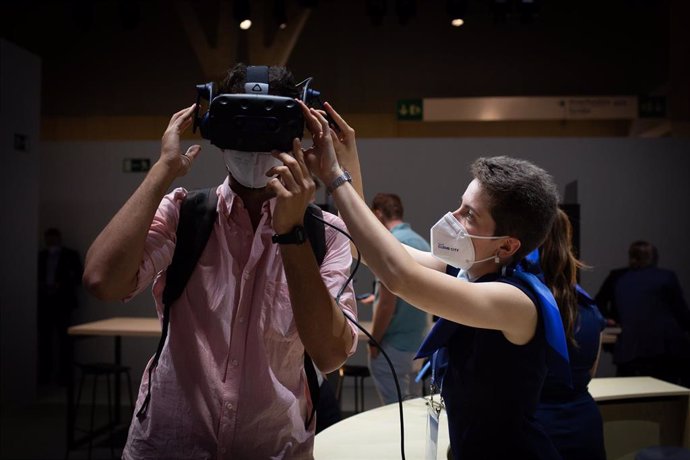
(223, 450)
(229, 406)
(246, 275)
(234, 363)
(241, 319)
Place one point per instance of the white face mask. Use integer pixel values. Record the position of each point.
(451, 243)
(249, 168)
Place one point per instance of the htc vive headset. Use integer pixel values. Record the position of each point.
(253, 121)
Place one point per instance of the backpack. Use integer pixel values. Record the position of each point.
(197, 217)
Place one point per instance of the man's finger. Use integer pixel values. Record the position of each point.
(286, 177)
(299, 156)
(277, 187)
(183, 113)
(292, 163)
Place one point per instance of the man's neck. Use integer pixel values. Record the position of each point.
(252, 198)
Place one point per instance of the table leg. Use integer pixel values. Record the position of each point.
(118, 362)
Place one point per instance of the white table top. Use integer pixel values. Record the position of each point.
(376, 433)
(125, 326)
(613, 388)
(147, 327)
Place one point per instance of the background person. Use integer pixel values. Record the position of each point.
(654, 319)
(397, 326)
(59, 276)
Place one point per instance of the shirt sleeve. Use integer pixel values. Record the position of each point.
(335, 270)
(160, 240)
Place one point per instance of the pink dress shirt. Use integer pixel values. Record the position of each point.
(230, 382)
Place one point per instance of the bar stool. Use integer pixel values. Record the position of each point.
(359, 373)
(97, 370)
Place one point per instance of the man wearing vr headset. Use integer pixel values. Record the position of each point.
(230, 381)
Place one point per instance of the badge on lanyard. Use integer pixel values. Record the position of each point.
(433, 414)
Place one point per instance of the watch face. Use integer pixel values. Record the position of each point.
(300, 236)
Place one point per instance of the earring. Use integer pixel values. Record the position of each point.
(496, 259)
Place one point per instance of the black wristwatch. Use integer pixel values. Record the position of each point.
(295, 236)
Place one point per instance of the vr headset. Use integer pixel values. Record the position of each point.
(253, 121)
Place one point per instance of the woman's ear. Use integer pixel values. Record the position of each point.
(508, 247)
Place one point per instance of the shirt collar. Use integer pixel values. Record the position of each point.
(229, 198)
(400, 226)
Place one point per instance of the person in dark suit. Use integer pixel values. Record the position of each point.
(59, 275)
(604, 298)
(654, 318)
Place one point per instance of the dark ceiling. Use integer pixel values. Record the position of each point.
(145, 65)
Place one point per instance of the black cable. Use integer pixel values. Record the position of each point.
(371, 338)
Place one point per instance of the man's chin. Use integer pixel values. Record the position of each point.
(236, 186)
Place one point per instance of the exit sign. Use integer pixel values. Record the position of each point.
(410, 109)
(652, 106)
(136, 164)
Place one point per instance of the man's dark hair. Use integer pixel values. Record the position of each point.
(280, 81)
(642, 254)
(523, 199)
(389, 204)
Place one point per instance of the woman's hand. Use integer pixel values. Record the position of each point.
(343, 141)
(294, 189)
(321, 157)
(176, 163)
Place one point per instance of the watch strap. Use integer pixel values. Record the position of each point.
(295, 236)
(340, 180)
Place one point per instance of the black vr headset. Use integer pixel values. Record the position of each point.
(253, 121)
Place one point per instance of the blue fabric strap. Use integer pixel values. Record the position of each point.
(557, 358)
(557, 353)
(437, 337)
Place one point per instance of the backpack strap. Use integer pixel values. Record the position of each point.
(197, 216)
(316, 233)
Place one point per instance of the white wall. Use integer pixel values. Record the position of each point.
(628, 189)
(20, 88)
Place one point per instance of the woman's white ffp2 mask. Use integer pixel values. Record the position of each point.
(451, 243)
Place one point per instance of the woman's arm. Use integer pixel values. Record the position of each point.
(486, 305)
(345, 145)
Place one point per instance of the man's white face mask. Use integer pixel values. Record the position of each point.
(249, 168)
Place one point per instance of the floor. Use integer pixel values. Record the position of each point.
(38, 432)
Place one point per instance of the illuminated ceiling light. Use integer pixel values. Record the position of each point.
(240, 11)
(405, 10)
(456, 9)
(376, 9)
(279, 14)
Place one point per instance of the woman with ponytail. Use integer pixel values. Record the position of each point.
(569, 415)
